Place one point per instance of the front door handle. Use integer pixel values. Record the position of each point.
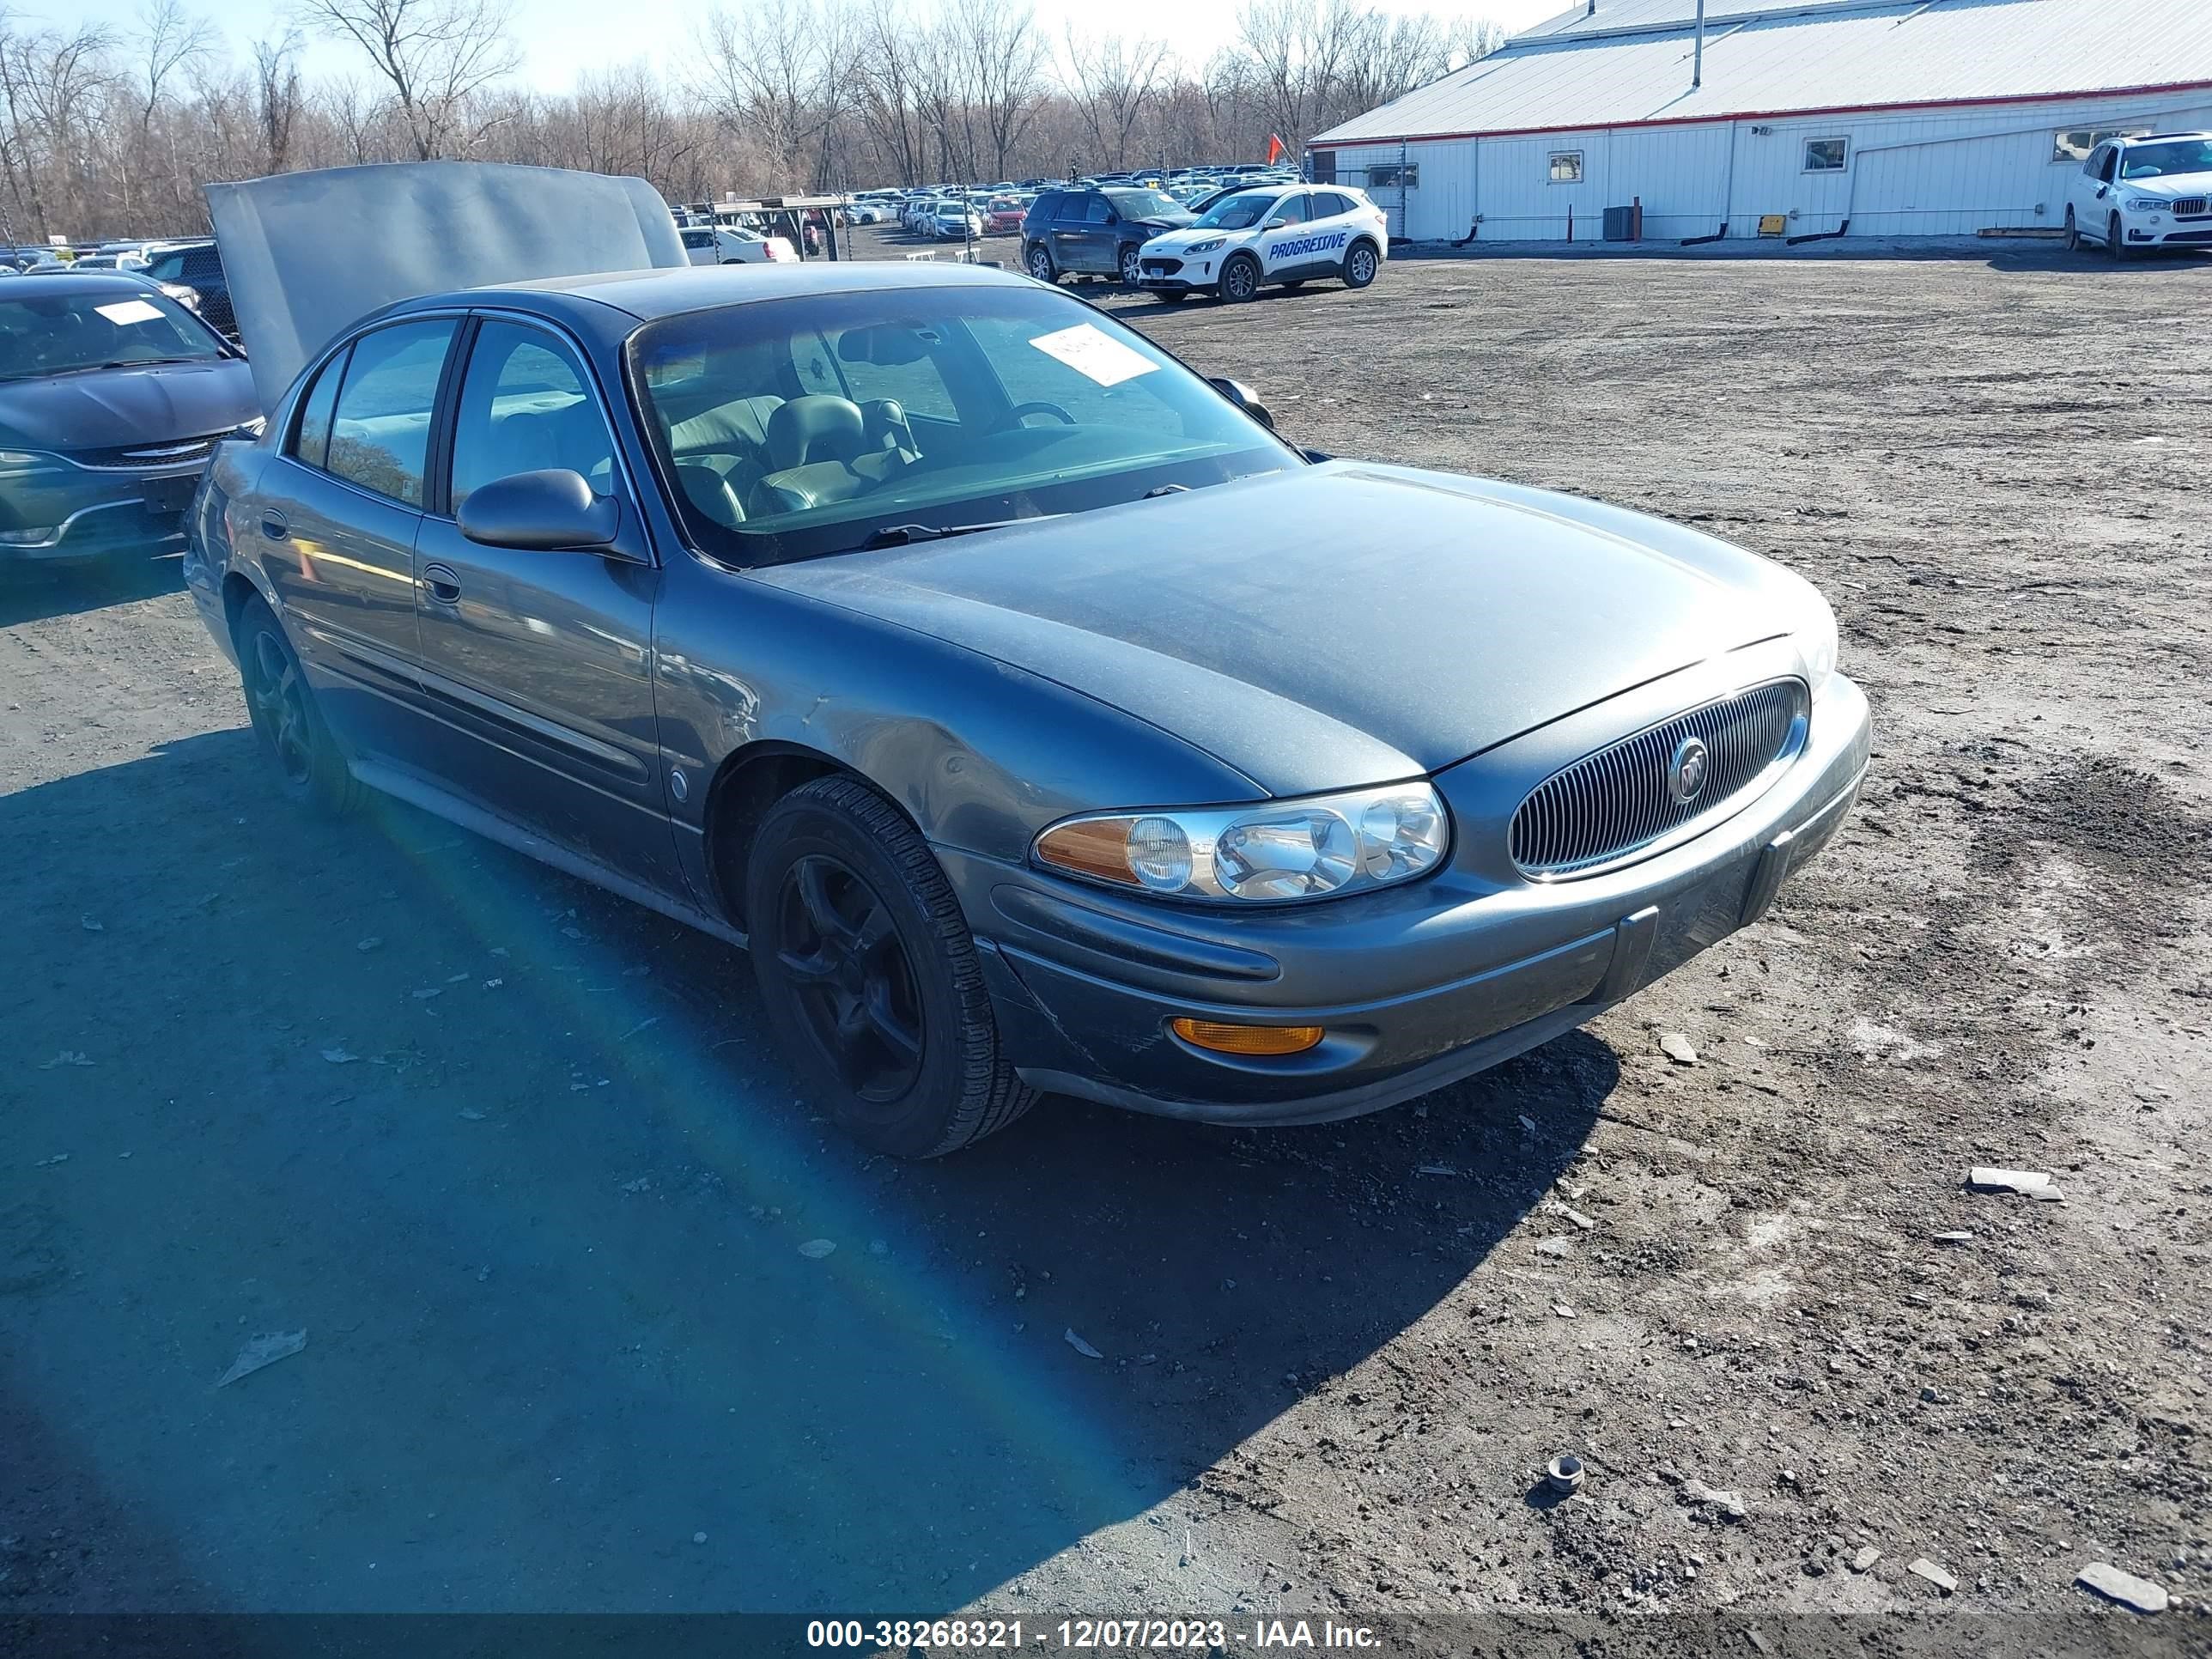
(274, 525)
(444, 584)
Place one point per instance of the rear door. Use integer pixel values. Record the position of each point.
(335, 519)
(537, 663)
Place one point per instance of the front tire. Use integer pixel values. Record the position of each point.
(310, 769)
(1132, 265)
(2116, 244)
(1039, 262)
(868, 969)
(2073, 233)
(1360, 265)
(1240, 278)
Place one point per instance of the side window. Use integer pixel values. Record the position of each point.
(811, 362)
(1291, 209)
(2111, 162)
(526, 407)
(381, 430)
(169, 268)
(1047, 205)
(919, 385)
(311, 437)
(1096, 209)
(202, 264)
(698, 239)
(1327, 204)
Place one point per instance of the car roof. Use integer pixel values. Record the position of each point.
(2162, 137)
(78, 282)
(647, 295)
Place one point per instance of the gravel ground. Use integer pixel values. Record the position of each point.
(522, 1164)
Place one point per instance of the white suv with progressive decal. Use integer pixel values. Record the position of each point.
(1271, 234)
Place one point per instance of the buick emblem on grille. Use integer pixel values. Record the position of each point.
(1685, 773)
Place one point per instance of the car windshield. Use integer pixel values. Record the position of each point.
(1239, 212)
(2164, 160)
(791, 428)
(1143, 203)
(102, 327)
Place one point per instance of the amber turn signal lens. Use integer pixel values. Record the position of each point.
(1247, 1039)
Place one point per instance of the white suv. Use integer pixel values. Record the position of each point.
(1271, 234)
(2145, 192)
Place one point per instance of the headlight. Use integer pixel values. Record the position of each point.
(13, 461)
(1271, 852)
(2145, 204)
(1208, 245)
(253, 429)
(1816, 639)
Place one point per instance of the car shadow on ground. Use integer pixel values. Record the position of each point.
(34, 594)
(598, 1314)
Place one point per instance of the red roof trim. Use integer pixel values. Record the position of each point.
(1758, 115)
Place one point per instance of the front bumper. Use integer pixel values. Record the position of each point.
(1416, 987)
(64, 514)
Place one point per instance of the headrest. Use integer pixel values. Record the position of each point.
(814, 428)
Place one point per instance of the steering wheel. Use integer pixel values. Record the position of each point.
(1021, 412)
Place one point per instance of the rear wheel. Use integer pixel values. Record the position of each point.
(309, 767)
(869, 971)
(1040, 264)
(1240, 278)
(1359, 265)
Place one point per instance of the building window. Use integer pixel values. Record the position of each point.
(2072, 145)
(1566, 166)
(1826, 155)
(1393, 175)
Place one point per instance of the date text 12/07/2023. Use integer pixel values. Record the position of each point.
(1089, 1635)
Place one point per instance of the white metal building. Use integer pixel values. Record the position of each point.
(1901, 118)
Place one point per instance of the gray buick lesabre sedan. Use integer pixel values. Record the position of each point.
(1040, 720)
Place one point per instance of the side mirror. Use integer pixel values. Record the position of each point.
(1275, 224)
(540, 511)
(1244, 398)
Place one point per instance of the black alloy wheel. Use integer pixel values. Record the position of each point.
(282, 707)
(870, 975)
(837, 945)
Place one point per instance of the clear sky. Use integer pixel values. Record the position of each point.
(561, 36)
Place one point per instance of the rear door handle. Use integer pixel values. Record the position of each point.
(274, 526)
(444, 584)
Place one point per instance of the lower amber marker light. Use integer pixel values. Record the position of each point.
(1224, 1039)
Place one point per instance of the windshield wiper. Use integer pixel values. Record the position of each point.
(900, 535)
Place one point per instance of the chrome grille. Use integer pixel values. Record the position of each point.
(2189, 207)
(1618, 801)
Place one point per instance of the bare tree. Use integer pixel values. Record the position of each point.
(435, 54)
(276, 97)
(1111, 80)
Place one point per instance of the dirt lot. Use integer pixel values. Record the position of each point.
(522, 1164)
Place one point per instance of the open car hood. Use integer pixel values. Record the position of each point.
(308, 254)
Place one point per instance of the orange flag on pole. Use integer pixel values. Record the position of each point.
(1276, 150)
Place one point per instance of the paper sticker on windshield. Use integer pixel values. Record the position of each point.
(1094, 354)
(129, 311)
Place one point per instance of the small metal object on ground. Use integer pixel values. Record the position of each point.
(1565, 1473)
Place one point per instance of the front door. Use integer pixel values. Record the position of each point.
(1282, 252)
(538, 663)
(335, 524)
